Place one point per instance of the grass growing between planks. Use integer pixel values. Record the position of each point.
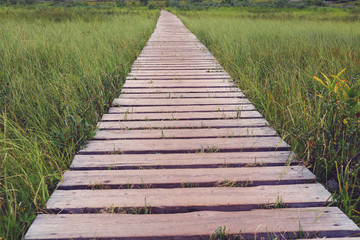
(60, 68)
(273, 54)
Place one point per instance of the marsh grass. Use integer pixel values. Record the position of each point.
(59, 71)
(273, 55)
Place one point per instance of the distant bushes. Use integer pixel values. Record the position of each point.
(198, 4)
(19, 2)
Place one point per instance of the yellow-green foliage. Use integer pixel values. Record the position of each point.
(338, 91)
(272, 55)
(59, 71)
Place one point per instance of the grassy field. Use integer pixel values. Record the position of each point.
(59, 71)
(272, 54)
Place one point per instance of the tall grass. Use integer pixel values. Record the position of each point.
(59, 71)
(272, 56)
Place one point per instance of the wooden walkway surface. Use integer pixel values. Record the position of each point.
(181, 153)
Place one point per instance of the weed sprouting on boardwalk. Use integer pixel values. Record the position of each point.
(59, 70)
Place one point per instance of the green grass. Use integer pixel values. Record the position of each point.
(272, 54)
(60, 68)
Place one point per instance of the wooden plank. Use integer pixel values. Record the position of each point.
(197, 199)
(180, 116)
(172, 40)
(178, 102)
(180, 54)
(175, 46)
(176, 83)
(223, 123)
(175, 109)
(176, 58)
(183, 95)
(248, 144)
(174, 66)
(179, 75)
(187, 72)
(188, 69)
(180, 90)
(217, 78)
(165, 65)
(185, 68)
(163, 47)
(322, 222)
(350, 237)
(200, 177)
(175, 52)
(176, 62)
(185, 133)
(182, 160)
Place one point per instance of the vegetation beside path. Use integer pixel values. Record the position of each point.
(273, 54)
(60, 68)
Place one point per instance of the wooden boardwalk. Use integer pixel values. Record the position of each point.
(181, 153)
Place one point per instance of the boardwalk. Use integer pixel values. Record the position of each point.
(181, 153)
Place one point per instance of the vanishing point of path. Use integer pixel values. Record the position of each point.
(181, 153)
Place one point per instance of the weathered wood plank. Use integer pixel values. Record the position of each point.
(179, 75)
(177, 83)
(200, 177)
(177, 62)
(175, 58)
(178, 102)
(170, 72)
(176, 52)
(180, 90)
(174, 109)
(181, 55)
(183, 95)
(163, 48)
(223, 123)
(183, 160)
(165, 65)
(180, 116)
(248, 144)
(175, 67)
(180, 79)
(350, 237)
(185, 133)
(329, 222)
(197, 199)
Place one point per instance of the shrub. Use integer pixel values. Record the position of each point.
(121, 3)
(144, 2)
(340, 132)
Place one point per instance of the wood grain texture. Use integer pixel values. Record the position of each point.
(330, 222)
(168, 95)
(128, 116)
(198, 199)
(180, 90)
(170, 178)
(194, 75)
(182, 160)
(185, 133)
(223, 123)
(178, 83)
(248, 144)
(179, 109)
(179, 102)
